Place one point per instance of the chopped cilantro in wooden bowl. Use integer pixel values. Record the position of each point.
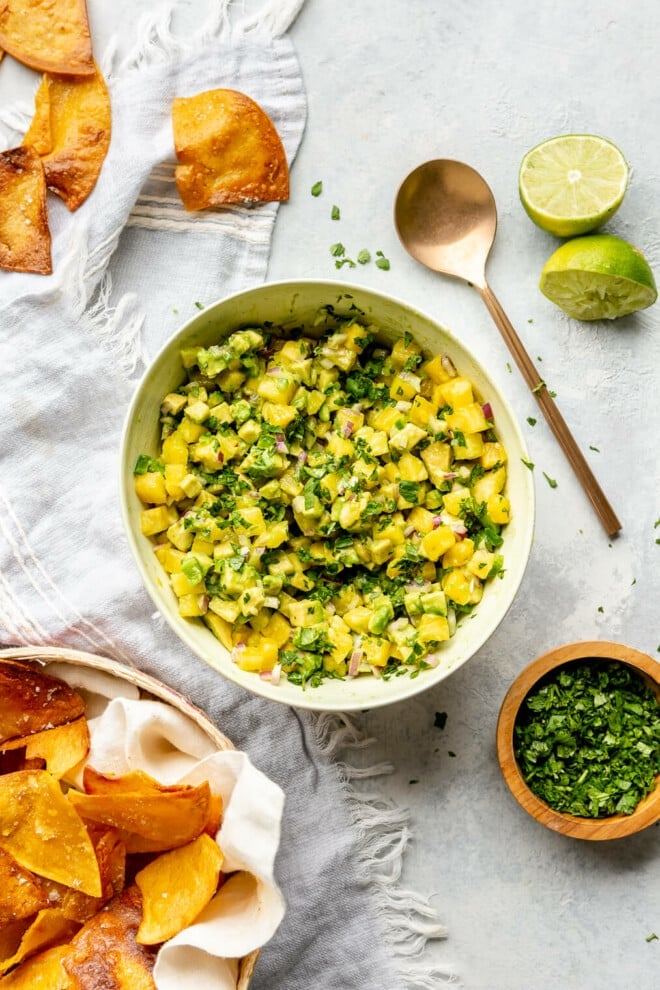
(578, 740)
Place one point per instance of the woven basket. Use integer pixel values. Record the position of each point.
(149, 686)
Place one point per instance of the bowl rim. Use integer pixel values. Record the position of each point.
(647, 811)
(407, 688)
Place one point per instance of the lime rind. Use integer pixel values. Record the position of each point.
(572, 184)
(599, 277)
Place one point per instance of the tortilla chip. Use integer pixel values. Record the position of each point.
(60, 748)
(214, 820)
(71, 132)
(21, 893)
(104, 952)
(40, 972)
(43, 833)
(52, 37)
(176, 887)
(229, 151)
(24, 230)
(132, 782)
(111, 856)
(32, 701)
(149, 822)
(49, 928)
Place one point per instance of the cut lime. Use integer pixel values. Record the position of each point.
(572, 184)
(599, 277)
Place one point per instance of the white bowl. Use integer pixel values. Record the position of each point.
(295, 303)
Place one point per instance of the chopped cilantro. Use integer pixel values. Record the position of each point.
(382, 261)
(551, 481)
(199, 305)
(335, 214)
(528, 464)
(317, 189)
(591, 447)
(531, 421)
(148, 465)
(364, 256)
(337, 250)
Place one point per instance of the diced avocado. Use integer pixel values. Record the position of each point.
(305, 613)
(313, 637)
(434, 603)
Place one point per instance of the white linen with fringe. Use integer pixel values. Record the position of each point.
(72, 346)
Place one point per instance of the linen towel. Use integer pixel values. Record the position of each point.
(73, 346)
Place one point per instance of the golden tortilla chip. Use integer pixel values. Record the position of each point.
(104, 952)
(60, 748)
(46, 35)
(40, 972)
(43, 833)
(71, 132)
(149, 822)
(229, 151)
(176, 887)
(49, 928)
(32, 701)
(111, 856)
(21, 893)
(24, 230)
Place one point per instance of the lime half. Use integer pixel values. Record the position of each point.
(599, 277)
(572, 184)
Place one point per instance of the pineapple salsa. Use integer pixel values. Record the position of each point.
(329, 507)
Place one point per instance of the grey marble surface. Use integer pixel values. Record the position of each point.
(392, 83)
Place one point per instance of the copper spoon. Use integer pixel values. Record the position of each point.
(446, 219)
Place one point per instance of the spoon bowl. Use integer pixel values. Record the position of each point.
(446, 218)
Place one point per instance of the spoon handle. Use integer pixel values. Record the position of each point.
(555, 420)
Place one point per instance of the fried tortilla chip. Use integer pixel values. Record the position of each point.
(149, 822)
(47, 35)
(21, 893)
(43, 833)
(60, 748)
(24, 230)
(229, 151)
(70, 130)
(111, 856)
(32, 701)
(104, 952)
(176, 887)
(41, 972)
(50, 927)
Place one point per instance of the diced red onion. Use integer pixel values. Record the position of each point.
(244, 551)
(414, 380)
(275, 674)
(274, 371)
(403, 406)
(376, 671)
(325, 363)
(270, 601)
(408, 531)
(487, 410)
(448, 366)
(236, 652)
(280, 446)
(266, 675)
(204, 603)
(302, 456)
(348, 428)
(354, 664)
(259, 551)
(432, 659)
(436, 521)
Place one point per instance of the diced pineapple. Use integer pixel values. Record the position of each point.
(407, 437)
(220, 628)
(173, 403)
(457, 393)
(231, 380)
(177, 533)
(356, 338)
(277, 629)
(499, 509)
(274, 536)
(457, 586)
(182, 586)
(249, 520)
(174, 475)
(191, 606)
(278, 415)
(404, 387)
(489, 484)
(436, 370)
(411, 468)
(229, 447)
(175, 447)
(188, 431)
(453, 500)
(434, 544)
(249, 431)
(376, 650)
(198, 411)
(468, 447)
(277, 386)
(421, 411)
(348, 421)
(385, 419)
(262, 656)
(492, 454)
(403, 350)
(170, 558)
(459, 554)
(421, 519)
(467, 419)
(156, 520)
(357, 618)
(150, 488)
(481, 563)
(437, 458)
(340, 637)
(432, 629)
(340, 446)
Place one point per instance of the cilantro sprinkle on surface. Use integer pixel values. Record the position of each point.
(317, 189)
(335, 214)
(551, 481)
(588, 739)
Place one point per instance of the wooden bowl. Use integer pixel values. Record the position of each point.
(149, 687)
(647, 811)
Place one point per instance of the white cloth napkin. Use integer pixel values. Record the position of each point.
(132, 734)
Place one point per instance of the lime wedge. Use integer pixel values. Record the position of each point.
(598, 277)
(572, 184)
